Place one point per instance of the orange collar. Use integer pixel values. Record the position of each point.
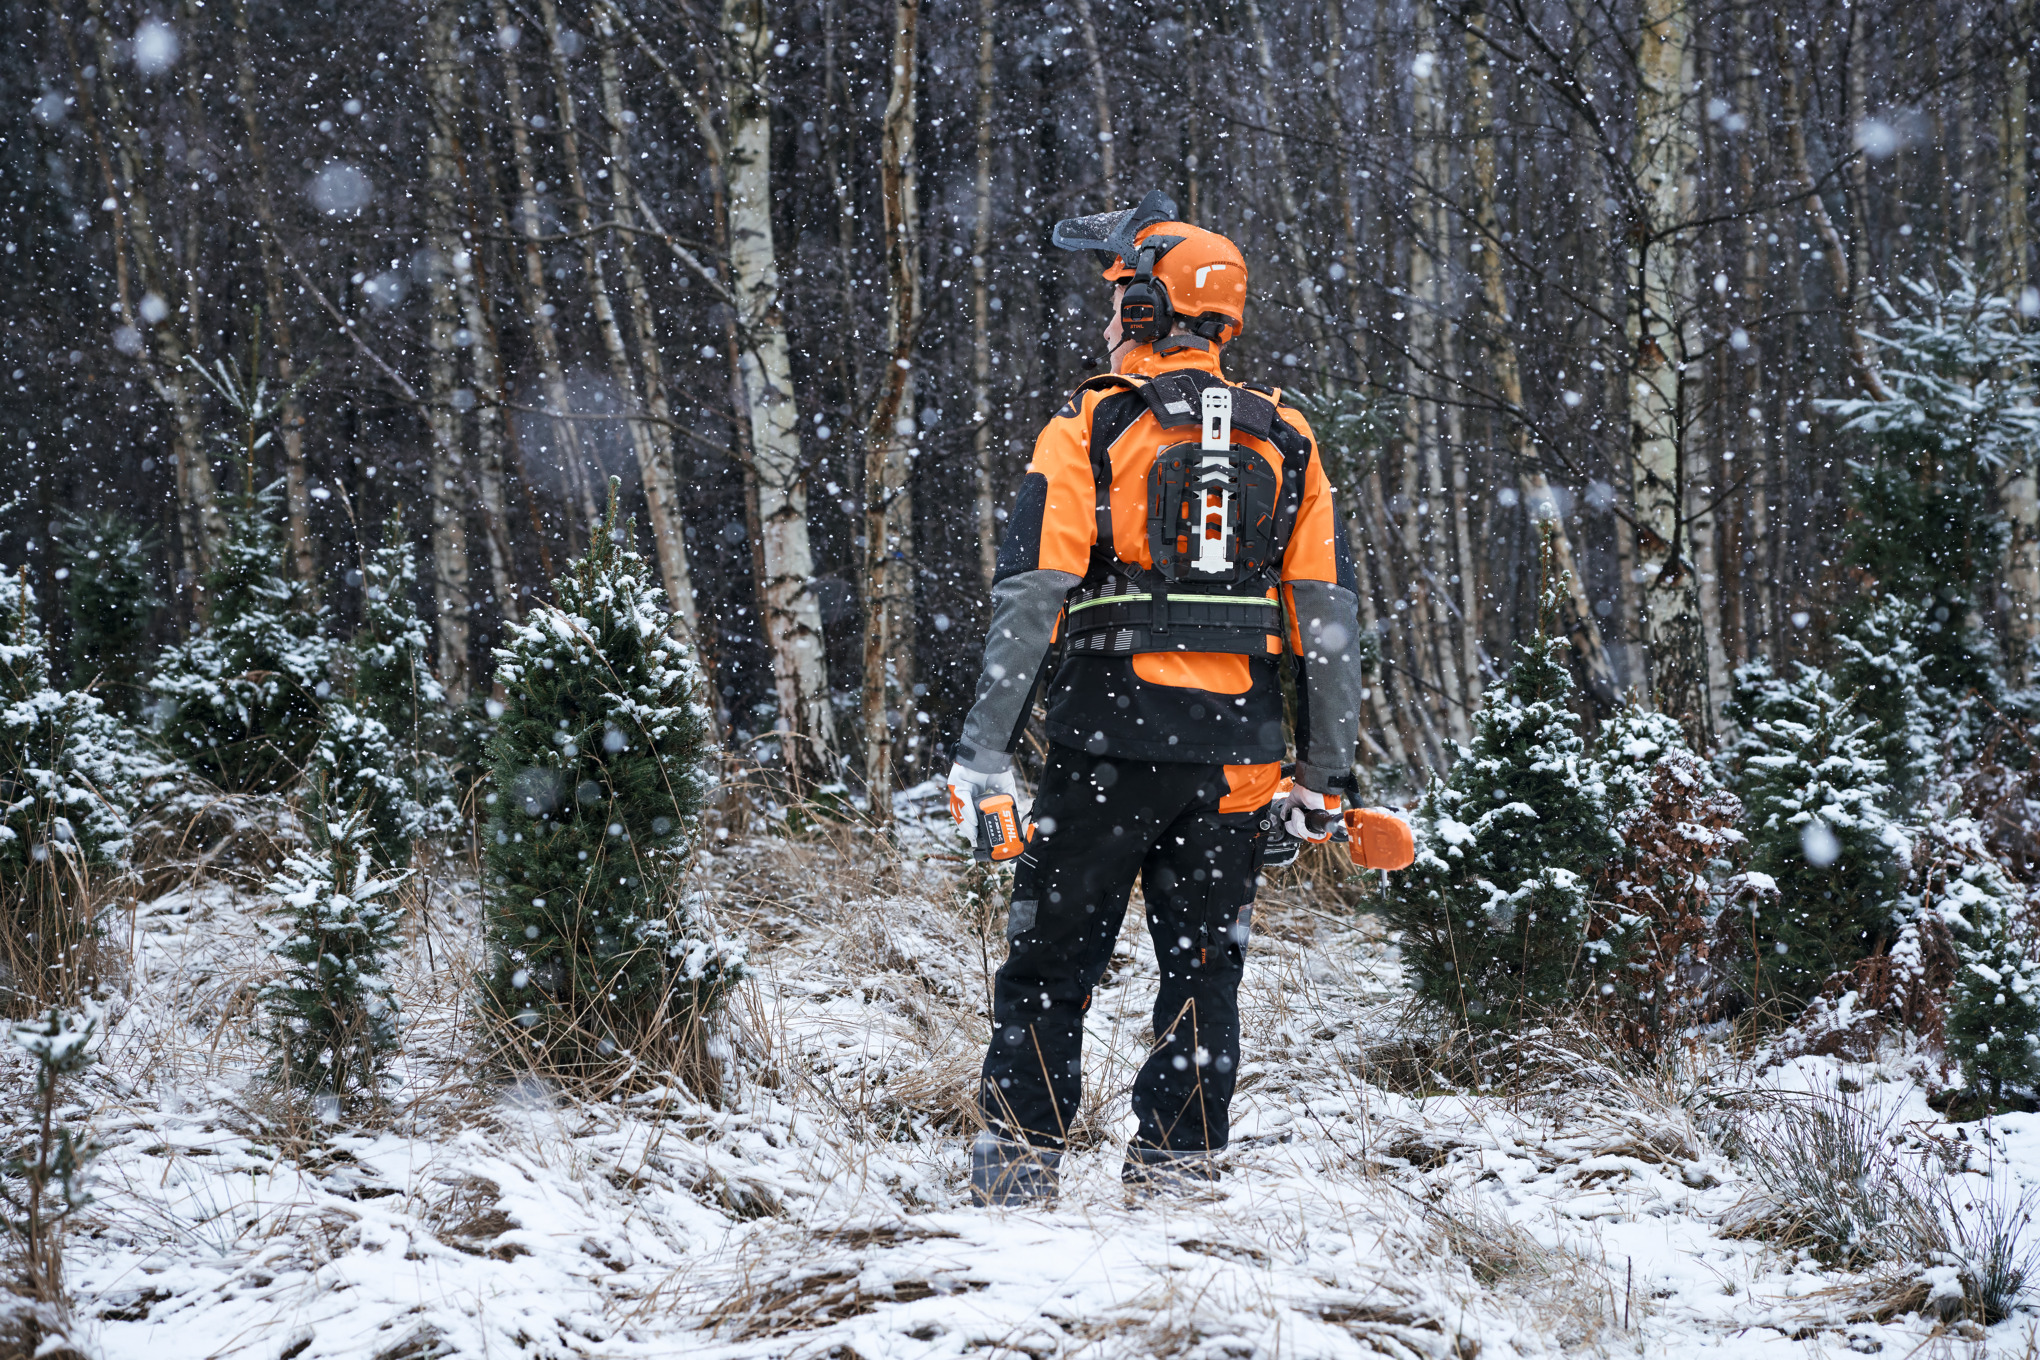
(1144, 362)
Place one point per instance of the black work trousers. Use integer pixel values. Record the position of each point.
(1099, 821)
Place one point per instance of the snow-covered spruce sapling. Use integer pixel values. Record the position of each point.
(42, 1182)
(382, 750)
(358, 772)
(598, 778)
(68, 773)
(1877, 666)
(1811, 788)
(1495, 911)
(109, 596)
(242, 695)
(393, 679)
(1993, 1006)
(1963, 407)
(1676, 823)
(330, 1015)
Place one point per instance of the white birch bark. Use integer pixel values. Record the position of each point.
(202, 520)
(793, 617)
(1427, 512)
(449, 493)
(2020, 491)
(1662, 165)
(651, 439)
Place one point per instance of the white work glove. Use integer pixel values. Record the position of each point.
(967, 786)
(1302, 808)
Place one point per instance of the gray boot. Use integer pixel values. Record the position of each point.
(1158, 1171)
(1007, 1173)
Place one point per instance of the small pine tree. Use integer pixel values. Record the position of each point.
(1676, 825)
(599, 777)
(358, 771)
(43, 1182)
(332, 1019)
(1962, 406)
(1495, 911)
(1811, 787)
(382, 751)
(243, 694)
(109, 595)
(393, 679)
(1879, 669)
(68, 779)
(1993, 1004)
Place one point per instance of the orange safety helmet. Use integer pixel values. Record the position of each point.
(1173, 271)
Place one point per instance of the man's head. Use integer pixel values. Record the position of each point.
(1174, 278)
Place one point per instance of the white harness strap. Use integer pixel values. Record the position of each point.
(1214, 515)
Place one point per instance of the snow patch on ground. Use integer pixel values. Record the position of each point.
(820, 1208)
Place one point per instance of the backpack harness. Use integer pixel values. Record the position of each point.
(1219, 523)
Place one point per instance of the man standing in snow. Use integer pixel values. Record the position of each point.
(1175, 536)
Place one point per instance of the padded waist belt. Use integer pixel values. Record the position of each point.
(1127, 621)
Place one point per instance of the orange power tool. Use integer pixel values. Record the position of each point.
(999, 837)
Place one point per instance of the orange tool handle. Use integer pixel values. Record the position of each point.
(1379, 840)
(999, 827)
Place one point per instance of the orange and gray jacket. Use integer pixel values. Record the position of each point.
(1155, 660)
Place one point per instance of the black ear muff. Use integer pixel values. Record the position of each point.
(1144, 312)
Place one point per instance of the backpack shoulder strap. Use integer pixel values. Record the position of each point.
(1295, 450)
(1101, 458)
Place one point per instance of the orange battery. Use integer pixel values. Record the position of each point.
(999, 835)
(1379, 840)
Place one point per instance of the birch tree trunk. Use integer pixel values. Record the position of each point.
(1749, 388)
(1427, 514)
(202, 522)
(490, 426)
(981, 304)
(793, 618)
(2020, 492)
(889, 433)
(1662, 167)
(297, 488)
(652, 438)
(449, 492)
(533, 293)
(1539, 502)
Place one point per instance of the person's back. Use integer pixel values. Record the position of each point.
(1174, 538)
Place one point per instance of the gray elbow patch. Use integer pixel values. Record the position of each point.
(1020, 917)
(1024, 611)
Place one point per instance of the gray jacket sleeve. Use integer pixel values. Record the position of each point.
(1024, 610)
(1328, 616)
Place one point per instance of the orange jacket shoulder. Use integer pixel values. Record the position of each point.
(1313, 551)
(1062, 455)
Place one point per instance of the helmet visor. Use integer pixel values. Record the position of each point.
(1111, 233)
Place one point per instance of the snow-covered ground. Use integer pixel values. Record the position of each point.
(818, 1208)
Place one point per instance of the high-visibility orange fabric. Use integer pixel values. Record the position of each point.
(1208, 707)
(1069, 527)
(1250, 786)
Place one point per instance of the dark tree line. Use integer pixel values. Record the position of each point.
(784, 268)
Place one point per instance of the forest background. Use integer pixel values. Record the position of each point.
(784, 269)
